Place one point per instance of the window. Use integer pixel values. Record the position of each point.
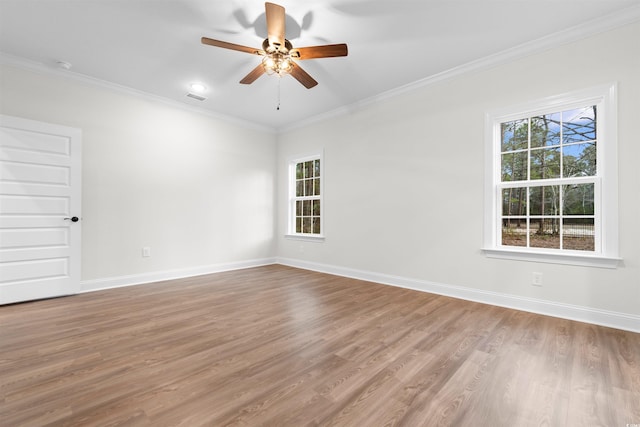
(305, 208)
(551, 180)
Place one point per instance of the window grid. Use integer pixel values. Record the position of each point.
(307, 198)
(579, 231)
(553, 181)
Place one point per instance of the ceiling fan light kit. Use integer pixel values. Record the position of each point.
(278, 52)
(277, 59)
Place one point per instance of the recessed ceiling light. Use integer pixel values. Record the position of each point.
(198, 87)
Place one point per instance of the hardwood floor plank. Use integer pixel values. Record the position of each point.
(279, 346)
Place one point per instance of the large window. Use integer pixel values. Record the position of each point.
(305, 208)
(552, 186)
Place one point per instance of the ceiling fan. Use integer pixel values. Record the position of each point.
(278, 53)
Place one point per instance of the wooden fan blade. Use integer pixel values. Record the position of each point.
(232, 46)
(253, 75)
(275, 24)
(303, 77)
(325, 51)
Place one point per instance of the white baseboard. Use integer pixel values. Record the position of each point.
(611, 319)
(139, 279)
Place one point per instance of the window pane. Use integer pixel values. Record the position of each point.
(316, 225)
(514, 201)
(299, 188)
(514, 166)
(299, 170)
(316, 187)
(579, 124)
(308, 169)
(579, 159)
(298, 207)
(316, 207)
(298, 225)
(306, 225)
(308, 187)
(545, 163)
(544, 200)
(515, 135)
(316, 168)
(578, 234)
(306, 208)
(545, 233)
(545, 130)
(578, 199)
(514, 232)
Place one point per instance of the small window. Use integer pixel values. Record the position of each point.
(305, 208)
(552, 180)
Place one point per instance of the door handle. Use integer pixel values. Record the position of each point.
(72, 219)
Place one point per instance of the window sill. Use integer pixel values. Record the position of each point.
(572, 258)
(305, 237)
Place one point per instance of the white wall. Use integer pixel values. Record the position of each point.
(404, 182)
(197, 190)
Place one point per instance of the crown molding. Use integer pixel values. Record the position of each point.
(40, 68)
(569, 35)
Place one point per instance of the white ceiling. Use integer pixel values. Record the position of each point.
(153, 46)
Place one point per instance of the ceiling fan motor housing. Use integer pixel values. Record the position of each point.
(276, 47)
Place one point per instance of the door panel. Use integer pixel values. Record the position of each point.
(37, 174)
(34, 237)
(39, 192)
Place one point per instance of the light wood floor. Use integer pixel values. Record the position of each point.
(279, 346)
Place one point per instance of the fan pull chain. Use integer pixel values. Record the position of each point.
(278, 106)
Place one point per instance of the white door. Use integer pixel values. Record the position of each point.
(40, 225)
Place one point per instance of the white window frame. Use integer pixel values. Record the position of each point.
(291, 216)
(606, 180)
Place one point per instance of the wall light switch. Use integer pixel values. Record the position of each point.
(146, 251)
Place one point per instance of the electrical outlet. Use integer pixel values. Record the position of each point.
(146, 251)
(536, 279)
